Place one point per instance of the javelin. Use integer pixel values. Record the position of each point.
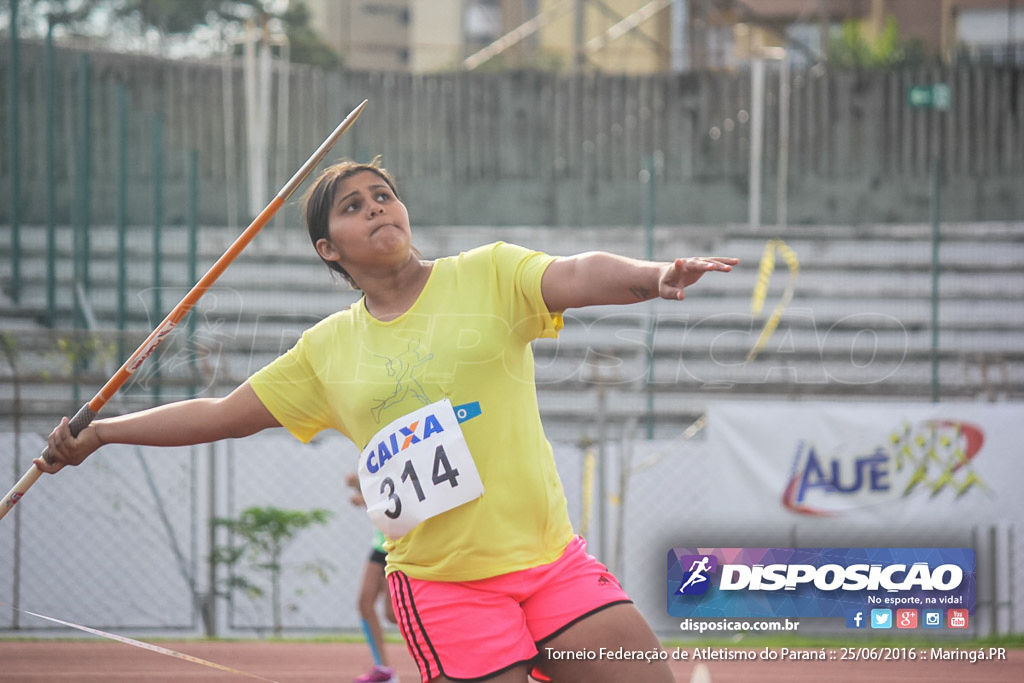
(88, 412)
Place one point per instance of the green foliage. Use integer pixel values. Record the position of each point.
(68, 13)
(82, 352)
(305, 47)
(261, 536)
(168, 16)
(182, 16)
(267, 530)
(9, 347)
(853, 50)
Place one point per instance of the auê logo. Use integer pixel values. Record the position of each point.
(697, 579)
(929, 456)
(400, 439)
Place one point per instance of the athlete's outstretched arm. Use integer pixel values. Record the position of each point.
(597, 278)
(183, 423)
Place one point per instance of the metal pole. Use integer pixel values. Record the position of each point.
(993, 578)
(1011, 569)
(122, 216)
(756, 140)
(13, 126)
(579, 30)
(680, 36)
(51, 182)
(782, 196)
(626, 445)
(283, 125)
(80, 184)
(210, 603)
(87, 140)
(158, 219)
(193, 258)
(936, 201)
(8, 347)
(227, 74)
(1011, 38)
(652, 168)
(83, 185)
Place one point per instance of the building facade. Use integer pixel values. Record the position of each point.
(643, 36)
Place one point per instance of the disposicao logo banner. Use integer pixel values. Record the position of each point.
(817, 582)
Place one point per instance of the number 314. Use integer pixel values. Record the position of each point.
(442, 472)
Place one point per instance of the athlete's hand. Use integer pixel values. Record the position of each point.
(683, 272)
(64, 449)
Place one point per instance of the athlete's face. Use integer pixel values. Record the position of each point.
(368, 225)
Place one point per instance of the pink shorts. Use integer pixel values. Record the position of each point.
(469, 631)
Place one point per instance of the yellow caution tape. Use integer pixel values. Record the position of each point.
(764, 276)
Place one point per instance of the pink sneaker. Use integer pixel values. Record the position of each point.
(378, 674)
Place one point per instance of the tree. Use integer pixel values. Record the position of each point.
(263, 533)
(70, 13)
(184, 16)
(306, 46)
(192, 27)
(175, 16)
(853, 50)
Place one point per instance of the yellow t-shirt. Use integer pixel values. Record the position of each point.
(466, 338)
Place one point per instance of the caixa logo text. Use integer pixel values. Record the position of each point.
(400, 439)
(833, 577)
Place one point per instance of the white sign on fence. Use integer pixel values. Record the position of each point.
(882, 463)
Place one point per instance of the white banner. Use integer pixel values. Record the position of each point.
(885, 464)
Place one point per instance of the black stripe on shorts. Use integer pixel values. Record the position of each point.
(410, 624)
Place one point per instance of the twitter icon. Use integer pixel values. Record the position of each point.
(881, 618)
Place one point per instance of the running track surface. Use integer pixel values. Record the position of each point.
(89, 661)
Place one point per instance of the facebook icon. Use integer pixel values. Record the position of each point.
(855, 618)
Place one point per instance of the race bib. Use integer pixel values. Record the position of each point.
(416, 468)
